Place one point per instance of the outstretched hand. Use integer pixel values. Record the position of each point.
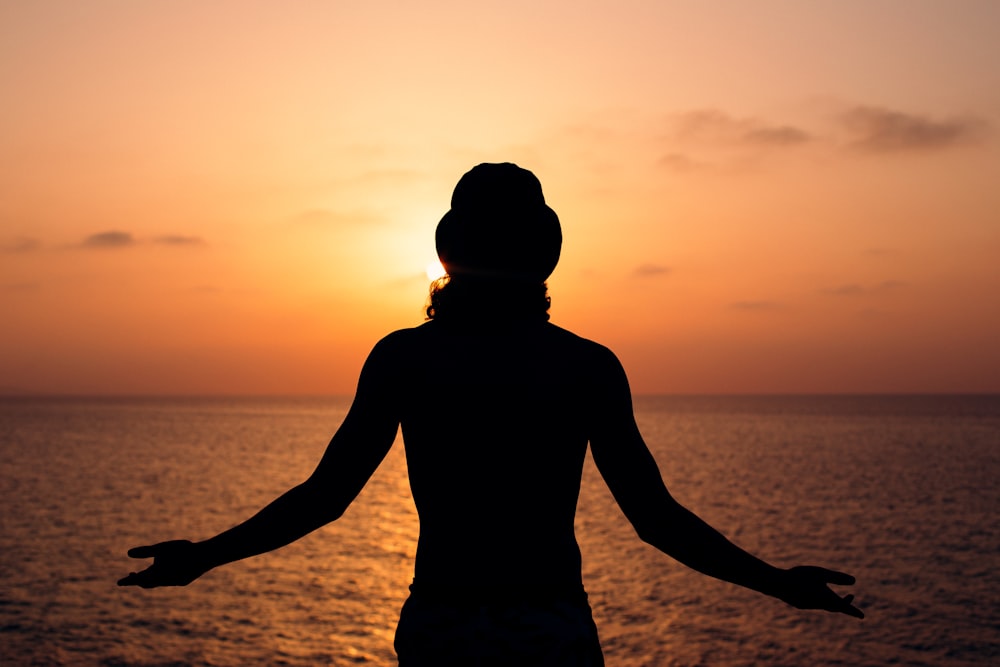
(806, 587)
(175, 563)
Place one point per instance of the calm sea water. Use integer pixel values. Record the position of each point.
(900, 491)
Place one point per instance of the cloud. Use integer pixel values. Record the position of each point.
(651, 270)
(851, 289)
(710, 139)
(778, 135)
(878, 130)
(389, 176)
(704, 124)
(715, 126)
(855, 290)
(879, 251)
(755, 305)
(680, 162)
(110, 239)
(319, 217)
(21, 244)
(178, 240)
(22, 287)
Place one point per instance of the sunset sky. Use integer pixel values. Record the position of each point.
(240, 197)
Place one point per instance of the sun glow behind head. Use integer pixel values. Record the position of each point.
(434, 270)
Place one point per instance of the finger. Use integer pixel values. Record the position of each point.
(148, 551)
(847, 608)
(853, 611)
(148, 578)
(132, 579)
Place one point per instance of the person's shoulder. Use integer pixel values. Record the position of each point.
(400, 338)
(574, 338)
(392, 351)
(583, 346)
(409, 340)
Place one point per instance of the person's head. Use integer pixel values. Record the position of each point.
(498, 244)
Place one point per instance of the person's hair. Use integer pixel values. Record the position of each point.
(471, 298)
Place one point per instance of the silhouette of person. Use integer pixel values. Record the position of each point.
(497, 408)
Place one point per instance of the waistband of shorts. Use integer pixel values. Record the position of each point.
(507, 594)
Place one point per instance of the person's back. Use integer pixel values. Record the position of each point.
(495, 428)
(494, 421)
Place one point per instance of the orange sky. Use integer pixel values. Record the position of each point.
(240, 197)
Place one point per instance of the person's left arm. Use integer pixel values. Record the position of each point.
(634, 479)
(351, 458)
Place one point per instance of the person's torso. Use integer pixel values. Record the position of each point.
(495, 429)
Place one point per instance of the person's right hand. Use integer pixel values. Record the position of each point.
(175, 563)
(806, 587)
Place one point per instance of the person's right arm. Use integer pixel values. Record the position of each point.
(631, 473)
(354, 452)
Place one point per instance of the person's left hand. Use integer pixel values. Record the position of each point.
(175, 563)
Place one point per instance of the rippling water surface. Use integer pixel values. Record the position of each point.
(900, 491)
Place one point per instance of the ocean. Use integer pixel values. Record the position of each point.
(901, 491)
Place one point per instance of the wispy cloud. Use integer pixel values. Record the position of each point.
(879, 251)
(711, 139)
(21, 287)
(778, 135)
(755, 305)
(20, 244)
(879, 130)
(589, 132)
(680, 162)
(389, 176)
(179, 240)
(109, 239)
(651, 270)
(716, 126)
(320, 217)
(850, 289)
(855, 289)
